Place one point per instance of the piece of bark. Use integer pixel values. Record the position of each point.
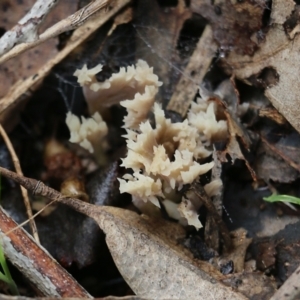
(187, 87)
(36, 263)
(143, 253)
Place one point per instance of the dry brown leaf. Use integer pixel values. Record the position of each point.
(285, 145)
(233, 22)
(145, 253)
(275, 62)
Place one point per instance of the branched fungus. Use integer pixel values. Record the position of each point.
(163, 157)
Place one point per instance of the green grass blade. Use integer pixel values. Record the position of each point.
(282, 198)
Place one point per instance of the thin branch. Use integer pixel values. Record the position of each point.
(19, 91)
(24, 192)
(198, 65)
(42, 270)
(39, 188)
(70, 23)
(27, 28)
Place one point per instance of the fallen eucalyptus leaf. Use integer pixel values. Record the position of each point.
(144, 252)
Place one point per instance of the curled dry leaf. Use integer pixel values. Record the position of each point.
(143, 253)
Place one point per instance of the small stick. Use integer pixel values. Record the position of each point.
(70, 23)
(198, 65)
(27, 28)
(200, 192)
(24, 192)
(35, 215)
(39, 188)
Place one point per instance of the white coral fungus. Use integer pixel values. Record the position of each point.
(133, 87)
(163, 157)
(203, 117)
(89, 132)
(188, 211)
(166, 153)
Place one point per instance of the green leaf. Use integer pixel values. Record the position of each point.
(282, 198)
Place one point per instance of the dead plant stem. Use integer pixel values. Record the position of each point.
(24, 192)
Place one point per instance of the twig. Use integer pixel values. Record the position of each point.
(37, 264)
(35, 215)
(27, 28)
(70, 23)
(39, 188)
(24, 192)
(200, 192)
(21, 87)
(197, 67)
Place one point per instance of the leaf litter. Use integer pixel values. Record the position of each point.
(240, 141)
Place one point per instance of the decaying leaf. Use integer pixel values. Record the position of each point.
(284, 144)
(265, 254)
(269, 166)
(275, 63)
(233, 22)
(79, 240)
(144, 252)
